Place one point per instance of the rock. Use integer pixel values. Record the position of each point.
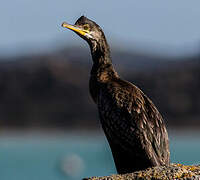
(172, 172)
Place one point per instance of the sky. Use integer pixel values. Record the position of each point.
(170, 26)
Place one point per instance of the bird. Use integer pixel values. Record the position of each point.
(134, 128)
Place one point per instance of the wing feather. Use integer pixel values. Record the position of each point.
(130, 120)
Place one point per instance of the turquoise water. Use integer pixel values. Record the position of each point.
(55, 157)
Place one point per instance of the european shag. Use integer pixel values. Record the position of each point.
(132, 124)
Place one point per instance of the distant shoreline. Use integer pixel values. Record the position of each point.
(96, 133)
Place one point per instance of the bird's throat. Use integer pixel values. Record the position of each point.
(100, 52)
(102, 64)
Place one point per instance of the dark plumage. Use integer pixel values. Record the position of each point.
(133, 126)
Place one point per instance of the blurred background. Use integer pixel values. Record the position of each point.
(49, 126)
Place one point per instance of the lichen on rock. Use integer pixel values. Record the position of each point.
(172, 172)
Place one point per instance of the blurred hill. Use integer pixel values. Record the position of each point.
(52, 90)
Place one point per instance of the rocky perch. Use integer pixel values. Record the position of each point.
(172, 172)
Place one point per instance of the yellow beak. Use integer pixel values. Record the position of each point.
(74, 28)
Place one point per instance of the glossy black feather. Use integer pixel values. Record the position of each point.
(133, 126)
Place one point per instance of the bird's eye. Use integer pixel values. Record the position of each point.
(86, 27)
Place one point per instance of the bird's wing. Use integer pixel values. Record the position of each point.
(132, 120)
(154, 133)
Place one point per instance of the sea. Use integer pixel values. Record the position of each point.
(74, 155)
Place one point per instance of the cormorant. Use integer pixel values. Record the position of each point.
(132, 124)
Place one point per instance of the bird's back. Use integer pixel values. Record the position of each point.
(133, 126)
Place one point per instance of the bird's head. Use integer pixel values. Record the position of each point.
(86, 29)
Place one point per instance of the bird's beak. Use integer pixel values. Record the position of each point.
(74, 28)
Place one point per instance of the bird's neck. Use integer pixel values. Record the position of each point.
(102, 69)
(100, 51)
(102, 63)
